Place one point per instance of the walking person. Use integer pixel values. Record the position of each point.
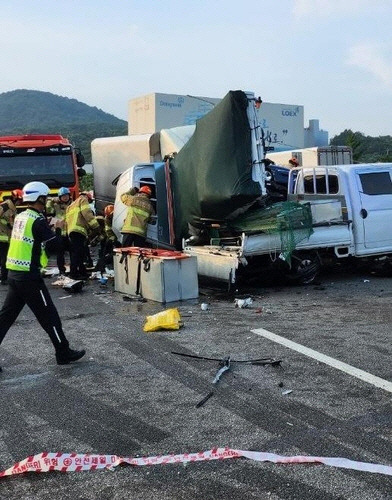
(7, 216)
(138, 216)
(81, 225)
(56, 207)
(31, 237)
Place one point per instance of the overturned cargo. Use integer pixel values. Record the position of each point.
(213, 174)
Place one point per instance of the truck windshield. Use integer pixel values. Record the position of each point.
(54, 170)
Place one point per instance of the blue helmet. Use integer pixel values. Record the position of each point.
(63, 191)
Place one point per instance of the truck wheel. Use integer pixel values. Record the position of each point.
(304, 268)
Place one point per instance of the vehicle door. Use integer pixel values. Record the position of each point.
(375, 191)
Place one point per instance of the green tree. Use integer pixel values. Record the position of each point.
(354, 141)
(87, 182)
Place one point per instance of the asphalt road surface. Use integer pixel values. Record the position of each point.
(130, 396)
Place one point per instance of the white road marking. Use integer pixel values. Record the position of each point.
(335, 363)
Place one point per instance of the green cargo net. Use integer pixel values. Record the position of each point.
(293, 222)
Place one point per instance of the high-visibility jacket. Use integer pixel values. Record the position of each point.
(22, 241)
(79, 218)
(55, 208)
(108, 229)
(7, 216)
(138, 215)
(127, 197)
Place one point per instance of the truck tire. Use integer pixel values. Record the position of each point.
(304, 268)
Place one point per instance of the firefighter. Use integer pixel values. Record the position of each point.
(31, 237)
(7, 216)
(293, 162)
(126, 197)
(56, 207)
(109, 240)
(82, 225)
(139, 214)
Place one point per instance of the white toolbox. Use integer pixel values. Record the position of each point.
(160, 275)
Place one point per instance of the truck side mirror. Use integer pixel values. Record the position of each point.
(79, 158)
(81, 172)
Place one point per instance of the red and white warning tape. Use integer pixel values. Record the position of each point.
(70, 462)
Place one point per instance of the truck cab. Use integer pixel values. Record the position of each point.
(160, 232)
(51, 159)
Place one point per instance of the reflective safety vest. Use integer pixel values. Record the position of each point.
(80, 218)
(108, 230)
(22, 241)
(55, 208)
(7, 216)
(138, 215)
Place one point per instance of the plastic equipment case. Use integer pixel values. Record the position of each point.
(160, 275)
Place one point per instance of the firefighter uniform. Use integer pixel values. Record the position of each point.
(54, 208)
(7, 216)
(139, 213)
(81, 225)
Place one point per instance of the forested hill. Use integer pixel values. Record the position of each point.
(33, 111)
(366, 149)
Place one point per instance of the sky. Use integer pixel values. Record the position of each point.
(334, 57)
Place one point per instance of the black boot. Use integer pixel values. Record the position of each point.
(63, 357)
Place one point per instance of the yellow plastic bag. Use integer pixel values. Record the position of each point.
(165, 320)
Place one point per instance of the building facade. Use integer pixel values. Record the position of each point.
(283, 124)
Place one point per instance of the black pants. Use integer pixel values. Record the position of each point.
(62, 248)
(4, 246)
(35, 294)
(133, 240)
(77, 254)
(105, 255)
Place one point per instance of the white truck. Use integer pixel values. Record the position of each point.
(312, 157)
(351, 207)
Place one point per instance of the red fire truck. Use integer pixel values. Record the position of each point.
(51, 159)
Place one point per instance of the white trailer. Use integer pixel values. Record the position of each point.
(313, 157)
(111, 156)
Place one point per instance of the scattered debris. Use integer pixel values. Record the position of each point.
(366, 281)
(131, 298)
(289, 391)
(242, 303)
(69, 284)
(52, 271)
(204, 306)
(204, 400)
(225, 365)
(280, 384)
(65, 297)
(259, 310)
(75, 286)
(169, 319)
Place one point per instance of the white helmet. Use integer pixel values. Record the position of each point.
(33, 190)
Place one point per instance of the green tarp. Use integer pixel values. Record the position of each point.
(291, 220)
(212, 173)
